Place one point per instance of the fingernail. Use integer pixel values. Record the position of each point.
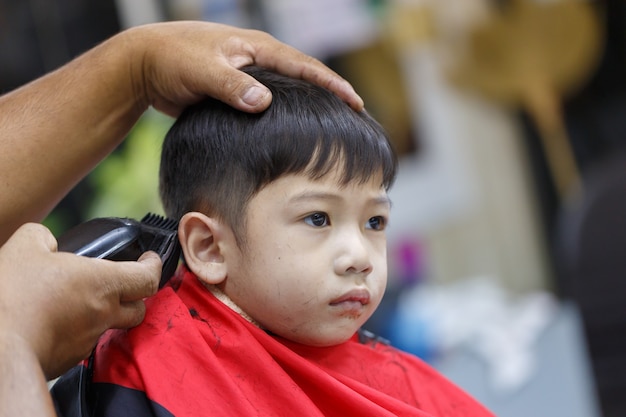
(254, 95)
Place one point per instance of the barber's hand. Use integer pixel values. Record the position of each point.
(60, 303)
(181, 62)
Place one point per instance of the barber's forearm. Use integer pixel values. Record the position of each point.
(23, 387)
(57, 128)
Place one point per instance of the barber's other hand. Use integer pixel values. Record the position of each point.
(181, 62)
(60, 303)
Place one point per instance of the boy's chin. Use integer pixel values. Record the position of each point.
(325, 340)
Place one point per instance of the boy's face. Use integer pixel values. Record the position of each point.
(314, 267)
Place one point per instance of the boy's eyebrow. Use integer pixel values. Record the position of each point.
(382, 200)
(319, 195)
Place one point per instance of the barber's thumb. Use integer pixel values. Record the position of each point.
(257, 96)
(150, 257)
(153, 262)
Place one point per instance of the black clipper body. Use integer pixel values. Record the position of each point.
(124, 239)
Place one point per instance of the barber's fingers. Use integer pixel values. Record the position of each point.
(137, 280)
(289, 61)
(129, 283)
(181, 62)
(112, 292)
(242, 91)
(128, 280)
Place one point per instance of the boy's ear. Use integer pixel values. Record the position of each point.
(203, 239)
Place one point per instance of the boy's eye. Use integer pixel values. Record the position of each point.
(317, 219)
(376, 223)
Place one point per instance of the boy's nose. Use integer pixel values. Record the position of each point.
(354, 256)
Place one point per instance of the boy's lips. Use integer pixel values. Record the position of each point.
(360, 296)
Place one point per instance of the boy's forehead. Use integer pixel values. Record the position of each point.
(301, 186)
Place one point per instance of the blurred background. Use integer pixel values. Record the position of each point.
(507, 243)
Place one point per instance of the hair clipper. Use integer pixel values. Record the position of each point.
(124, 239)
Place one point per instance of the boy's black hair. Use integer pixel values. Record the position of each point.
(215, 158)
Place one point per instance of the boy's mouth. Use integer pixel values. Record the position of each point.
(355, 299)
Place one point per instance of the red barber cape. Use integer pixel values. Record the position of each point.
(194, 356)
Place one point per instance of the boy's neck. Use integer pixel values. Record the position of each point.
(221, 295)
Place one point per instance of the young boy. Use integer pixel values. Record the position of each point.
(282, 224)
